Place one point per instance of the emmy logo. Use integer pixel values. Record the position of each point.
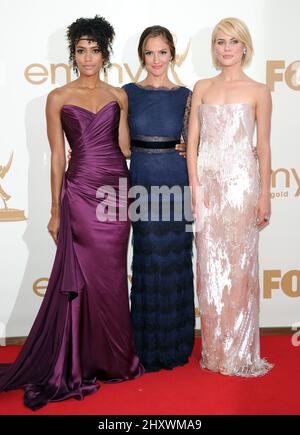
(8, 214)
(179, 59)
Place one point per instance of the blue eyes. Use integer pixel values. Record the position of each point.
(233, 41)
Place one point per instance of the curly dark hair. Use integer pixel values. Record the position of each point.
(98, 29)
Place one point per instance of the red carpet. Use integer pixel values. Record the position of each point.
(186, 390)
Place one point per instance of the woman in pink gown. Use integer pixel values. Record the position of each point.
(230, 181)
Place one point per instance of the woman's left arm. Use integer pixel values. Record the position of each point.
(263, 119)
(124, 137)
(185, 123)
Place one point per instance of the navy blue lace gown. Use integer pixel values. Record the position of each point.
(162, 294)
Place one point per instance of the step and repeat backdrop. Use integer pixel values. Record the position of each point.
(34, 60)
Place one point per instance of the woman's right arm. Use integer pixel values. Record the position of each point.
(58, 159)
(193, 142)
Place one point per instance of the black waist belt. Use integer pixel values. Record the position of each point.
(154, 145)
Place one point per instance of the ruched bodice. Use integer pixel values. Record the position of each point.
(93, 138)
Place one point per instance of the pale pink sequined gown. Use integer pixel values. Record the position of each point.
(227, 243)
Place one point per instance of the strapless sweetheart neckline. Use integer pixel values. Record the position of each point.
(247, 105)
(90, 111)
(227, 104)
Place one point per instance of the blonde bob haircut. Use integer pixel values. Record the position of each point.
(238, 29)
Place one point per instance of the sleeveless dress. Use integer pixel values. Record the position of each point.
(83, 330)
(227, 242)
(162, 294)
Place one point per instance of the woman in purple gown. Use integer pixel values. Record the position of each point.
(82, 332)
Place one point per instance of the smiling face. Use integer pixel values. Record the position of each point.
(88, 56)
(228, 49)
(157, 55)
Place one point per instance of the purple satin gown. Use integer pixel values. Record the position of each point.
(82, 331)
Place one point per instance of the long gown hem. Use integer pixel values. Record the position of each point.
(259, 369)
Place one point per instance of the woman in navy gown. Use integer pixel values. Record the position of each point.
(82, 332)
(162, 296)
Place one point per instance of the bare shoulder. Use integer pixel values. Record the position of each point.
(260, 89)
(203, 84)
(55, 95)
(200, 89)
(120, 95)
(119, 92)
(59, 95)
(261, 92)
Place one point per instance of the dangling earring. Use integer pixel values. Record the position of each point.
(75, 68)
(104, 68)
(245, 51)
(105, 64)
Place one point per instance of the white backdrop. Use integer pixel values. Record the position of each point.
(33, 61)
